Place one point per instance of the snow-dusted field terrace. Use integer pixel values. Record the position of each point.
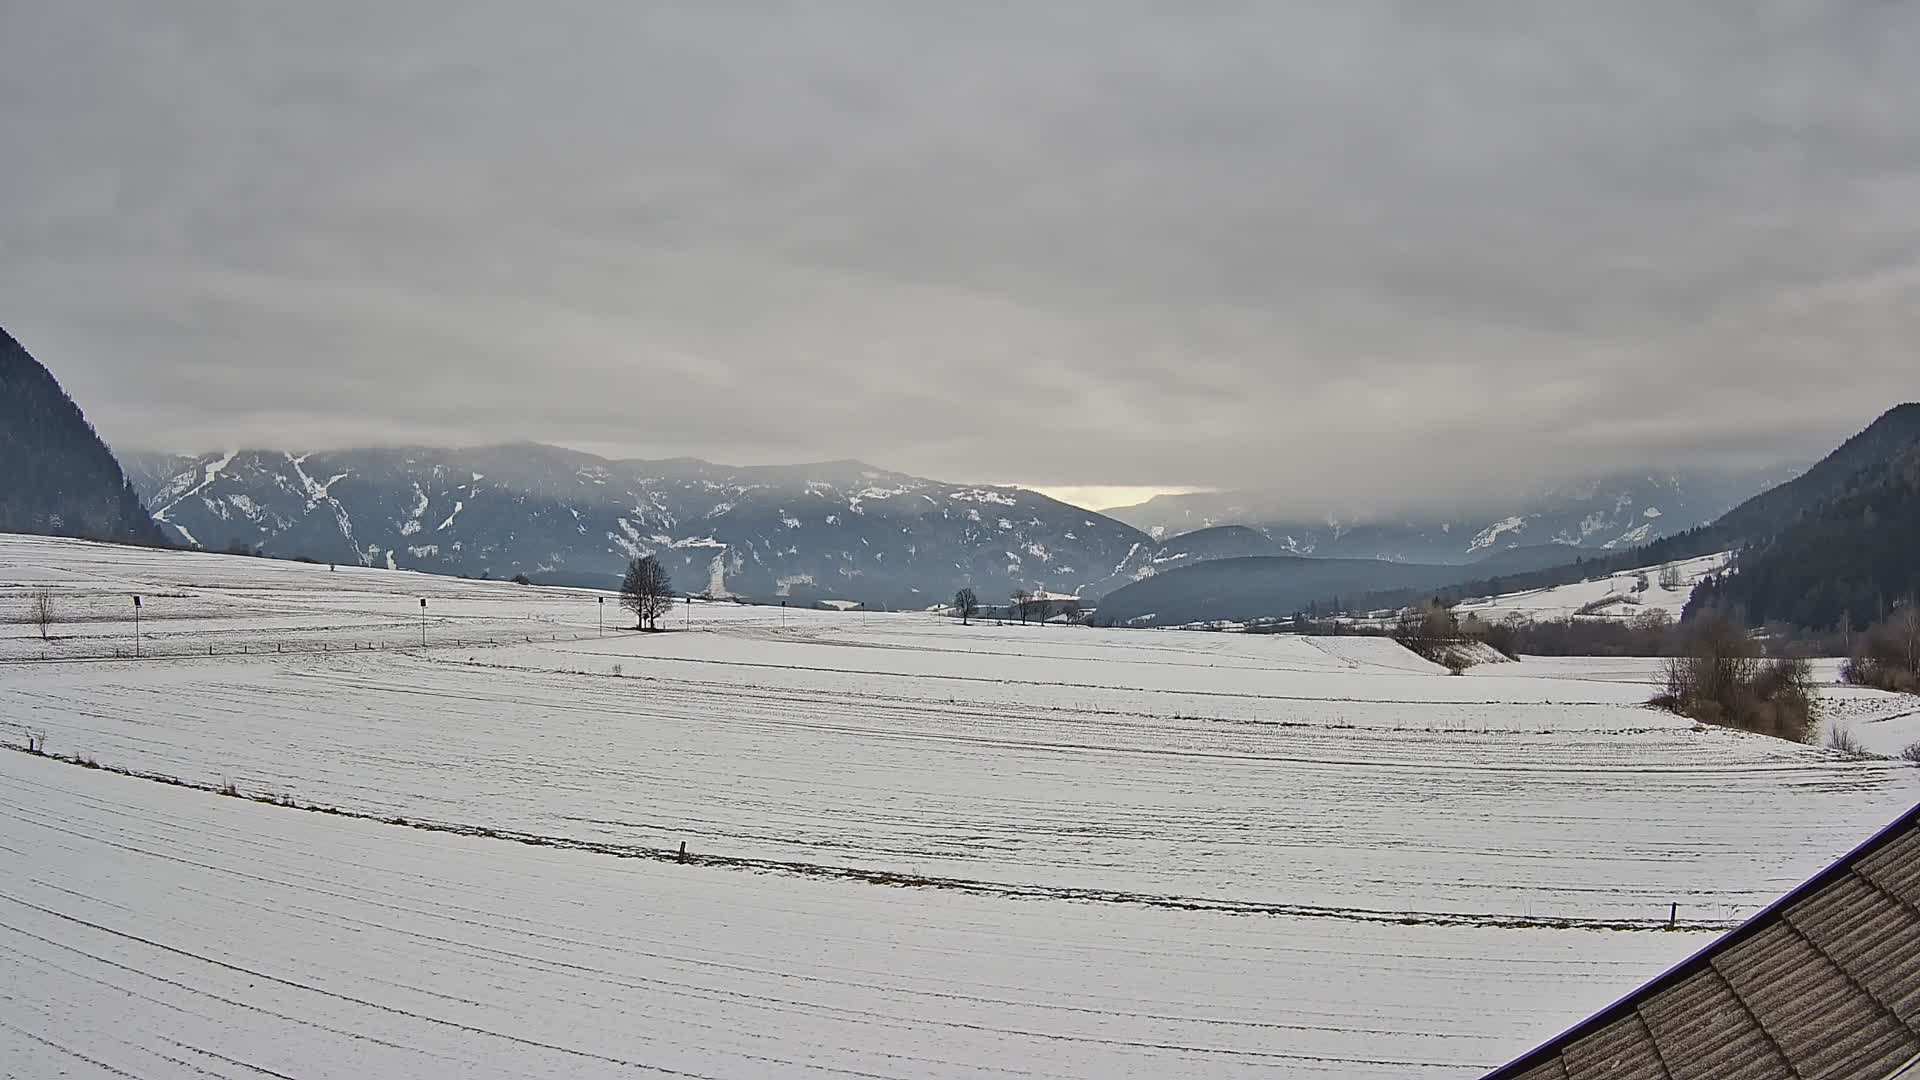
(917, 849)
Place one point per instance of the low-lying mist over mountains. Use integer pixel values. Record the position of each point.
(1605, 513)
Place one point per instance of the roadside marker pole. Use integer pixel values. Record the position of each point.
(423, 622)
(136, 626)
(603, 616)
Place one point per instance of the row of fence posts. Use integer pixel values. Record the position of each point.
(279, 647)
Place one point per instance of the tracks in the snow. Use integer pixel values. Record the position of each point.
(899, 879)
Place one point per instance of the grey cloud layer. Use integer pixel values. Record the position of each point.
(1299, 246)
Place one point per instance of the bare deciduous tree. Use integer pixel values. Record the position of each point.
(1022, 600)
(966, 604)
(40, 612)
(1670, 578)
(647, 591)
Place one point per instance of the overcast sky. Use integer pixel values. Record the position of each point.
(1376, 249)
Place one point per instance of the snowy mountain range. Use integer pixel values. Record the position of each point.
(835, 530)
(1606, 514)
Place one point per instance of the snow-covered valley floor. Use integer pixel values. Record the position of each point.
(1130, 852)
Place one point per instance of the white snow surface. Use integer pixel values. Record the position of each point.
(1146, 853)
(160, 932)
(1565, 601)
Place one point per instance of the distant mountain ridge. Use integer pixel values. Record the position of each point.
(842, 530)
(56, 477)
(1602, 514)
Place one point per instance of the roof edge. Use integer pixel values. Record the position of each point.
(1838, 868)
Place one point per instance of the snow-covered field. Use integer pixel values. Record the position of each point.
(919, 849)
(1610, 597)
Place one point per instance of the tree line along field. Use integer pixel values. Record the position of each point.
(915, 848)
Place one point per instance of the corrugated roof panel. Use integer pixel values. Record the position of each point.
(1617, 1052)
(1704, 1031)
(1874, 937)
(1896, 866)
(1824, 1023)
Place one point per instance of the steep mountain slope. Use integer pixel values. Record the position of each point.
(836, 529)
(1606, 514)
(1847, 559)
(150, 472)
(1832, 477)
(56, 476)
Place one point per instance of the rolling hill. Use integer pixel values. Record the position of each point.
(1259, 587)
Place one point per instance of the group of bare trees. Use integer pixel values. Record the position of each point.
(1721, 678)
(1024, 605)
(1887, 654)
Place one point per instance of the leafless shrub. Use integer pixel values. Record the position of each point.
(40, 612)
(1911, 753)
(1846, 742)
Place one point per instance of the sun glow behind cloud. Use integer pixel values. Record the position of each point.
(1106, 496)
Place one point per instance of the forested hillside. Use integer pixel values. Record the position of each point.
(1843, 563)
(56, 477)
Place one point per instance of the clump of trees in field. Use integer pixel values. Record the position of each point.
(1887, 654)
(1650, 633)
(1431, 631)
(1721, 678)
(647, 591)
